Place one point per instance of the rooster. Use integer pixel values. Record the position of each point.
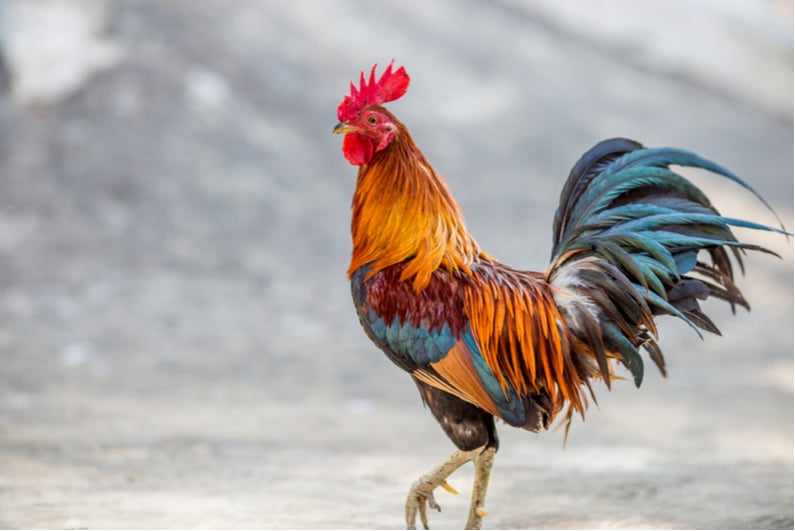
(632, 240)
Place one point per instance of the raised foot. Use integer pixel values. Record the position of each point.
(419, 499)
(421, 493)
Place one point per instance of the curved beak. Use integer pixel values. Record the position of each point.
(343, 128)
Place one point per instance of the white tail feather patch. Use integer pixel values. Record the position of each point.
(570, 294)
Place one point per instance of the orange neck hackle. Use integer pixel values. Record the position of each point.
(404, 211)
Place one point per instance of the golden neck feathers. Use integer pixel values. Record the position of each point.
(404, 211)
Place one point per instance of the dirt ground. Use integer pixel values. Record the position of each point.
(178, 348)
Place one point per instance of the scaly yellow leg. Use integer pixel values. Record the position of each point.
(483, 463)
(421, 492)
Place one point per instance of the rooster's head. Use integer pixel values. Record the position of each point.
(368, 127)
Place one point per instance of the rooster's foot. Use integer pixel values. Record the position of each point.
(421, 492)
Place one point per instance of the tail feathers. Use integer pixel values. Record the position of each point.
(633, 240)
(684, 296)
(589, 166)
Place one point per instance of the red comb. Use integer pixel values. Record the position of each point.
(390, 87)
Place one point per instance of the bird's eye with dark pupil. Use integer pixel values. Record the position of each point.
(372, 120)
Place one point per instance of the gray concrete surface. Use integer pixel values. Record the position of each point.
(177, 343)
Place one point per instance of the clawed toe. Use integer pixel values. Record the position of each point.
(421, 492)
(420, 498)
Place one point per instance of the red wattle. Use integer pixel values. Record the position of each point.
(357, 149)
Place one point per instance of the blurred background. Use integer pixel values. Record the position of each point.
(178, 348)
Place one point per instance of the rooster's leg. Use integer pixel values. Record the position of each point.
(483, 463)
(421, 492)
(472, 430)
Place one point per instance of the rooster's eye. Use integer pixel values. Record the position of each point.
(372, 120)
